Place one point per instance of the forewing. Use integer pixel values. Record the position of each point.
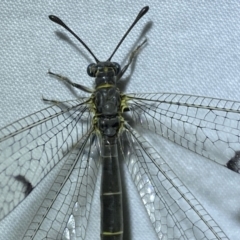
(173, 210)
(32, 146)
(207, 126)
(65, 210)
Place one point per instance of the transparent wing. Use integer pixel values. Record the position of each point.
(32, 146)
(65, 210)
(173, 210)
(207, 126)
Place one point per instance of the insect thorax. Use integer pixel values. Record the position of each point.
(106, 98)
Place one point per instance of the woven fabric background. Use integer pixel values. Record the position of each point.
(193, 47)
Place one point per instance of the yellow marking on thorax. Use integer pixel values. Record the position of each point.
(105, 85)
(124, 104)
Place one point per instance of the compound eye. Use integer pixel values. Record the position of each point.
(117, 68)
(91, 69)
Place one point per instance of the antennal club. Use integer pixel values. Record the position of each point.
(60, 22)
(139, 16)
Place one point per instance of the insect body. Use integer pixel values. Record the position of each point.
(108, 121)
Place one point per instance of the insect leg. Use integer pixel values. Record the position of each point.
(76, 85)
(132, 56)
(53, 101)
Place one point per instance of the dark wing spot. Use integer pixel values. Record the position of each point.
(234, 163)
(25, 182)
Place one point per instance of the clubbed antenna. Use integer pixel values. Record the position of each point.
(60, 22)
(139, 16)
